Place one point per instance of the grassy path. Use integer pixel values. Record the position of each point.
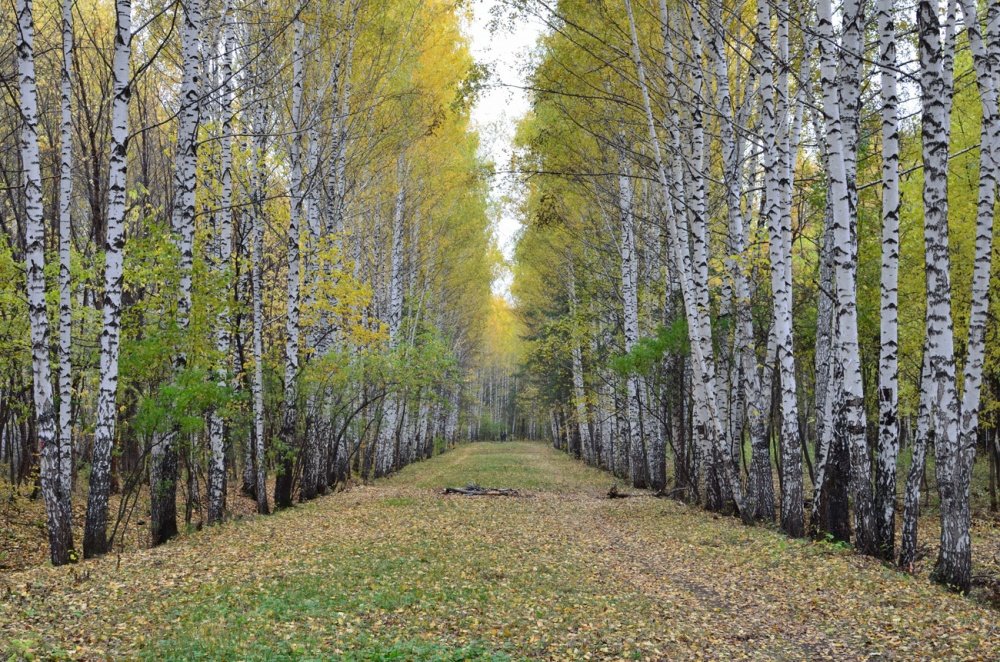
(395, 570)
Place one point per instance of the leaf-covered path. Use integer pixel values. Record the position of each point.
(396, 570)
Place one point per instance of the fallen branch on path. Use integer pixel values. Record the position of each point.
(616, 493)
(476, 490)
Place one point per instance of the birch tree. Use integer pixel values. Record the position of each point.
(579, 392)
(223, 255)
(164, 467)
(777, 166)
(760, 484)
(95, 537)
(701, 352)
(65, 244)
(630, 296)
(954, 557)
(386, 447)
(850, 419)
(954, 562)
(283, 482)
(57, 510)
(257, 183)
(888, 444)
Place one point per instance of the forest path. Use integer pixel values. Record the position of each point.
(396, 570)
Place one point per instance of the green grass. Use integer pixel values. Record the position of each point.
(521, 465)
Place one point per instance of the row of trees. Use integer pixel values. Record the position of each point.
(726, 191)
(255, 242)
(502, 405)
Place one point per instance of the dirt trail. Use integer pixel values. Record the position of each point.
(398, 570)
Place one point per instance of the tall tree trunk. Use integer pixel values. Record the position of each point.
(911, 499)
(313, 478)
(224, 242)
(630, 296)
(987, 64)
(390, 423)
(56, 512)
(777, 166)
(579, 390)
(954, 564)
(760, 483)
(888, 440)
(164, 455)
(700, 346)
(257, 284)
(851, 417)
(686, 209)
(284, 479)
(94, 536)
(65, 241)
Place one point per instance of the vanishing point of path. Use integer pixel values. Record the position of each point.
(396, 570)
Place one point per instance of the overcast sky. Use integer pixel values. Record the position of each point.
(506, 50)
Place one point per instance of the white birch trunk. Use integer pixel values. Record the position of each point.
(579, 390)
(954, 556)
(56, 511)
(701, 353)
(186, 159)
(630, 296)
(283, 482)
(65, 240)
(687, 200)
(760, 483)
(390, 422)
(888, 444)
(987, 65)
(777, 166)
(95, 541)
(312, 473)
(257, 284)
(911, 499)
(163, 455)
(223, 254)
(851, 417)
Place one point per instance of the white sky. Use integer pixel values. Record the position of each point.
(506, 50)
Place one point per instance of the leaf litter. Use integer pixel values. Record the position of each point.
(394, 570)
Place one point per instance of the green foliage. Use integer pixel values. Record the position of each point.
(649, 352)
(14, 341)
(182, 404)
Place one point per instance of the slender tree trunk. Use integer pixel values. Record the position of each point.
(888, 442)
(954, 564)
(850, 418)
(911, 499)
(284, 479)
(164, 455)
(987, 65)
(313, 478)
(224, 242)
(630, 296)
(686, 217)
(94, 536)
(777, 166)
(57, 514)
(760, 483)
(257, 284)
(701, 352)
(388, 433)
(830, 507)
(579, 390)
(65, 284)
